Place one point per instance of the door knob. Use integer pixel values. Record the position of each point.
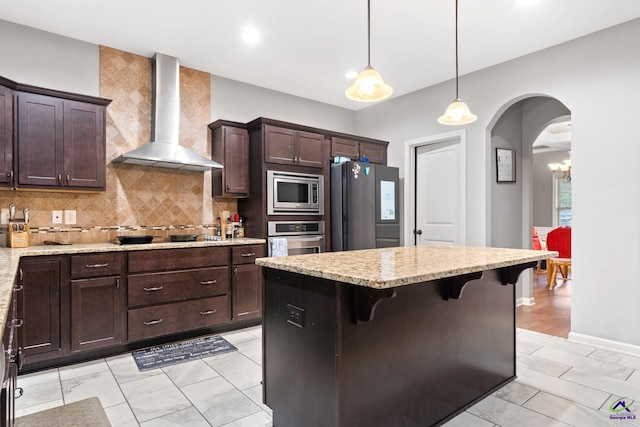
(418, 232)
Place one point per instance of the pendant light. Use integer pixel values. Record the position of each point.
(458, 112)
(368, 86)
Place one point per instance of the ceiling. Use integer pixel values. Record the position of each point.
(306, 47)
(555, 137)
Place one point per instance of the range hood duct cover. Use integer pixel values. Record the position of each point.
(164, 151)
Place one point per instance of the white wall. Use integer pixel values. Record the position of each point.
(241, 102)
(596, 77)
(39, 58)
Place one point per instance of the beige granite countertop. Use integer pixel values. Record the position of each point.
(10, 258)
(392, 267)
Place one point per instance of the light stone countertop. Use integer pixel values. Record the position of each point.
(10, 258)
(392, 267)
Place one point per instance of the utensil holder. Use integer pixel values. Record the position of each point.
(17, 235)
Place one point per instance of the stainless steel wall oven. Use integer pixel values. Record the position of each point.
(301, 237)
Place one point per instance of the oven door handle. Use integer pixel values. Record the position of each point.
(306, 239)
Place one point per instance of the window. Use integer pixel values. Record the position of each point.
(563, 203)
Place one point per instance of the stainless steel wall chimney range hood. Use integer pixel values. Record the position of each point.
(164, 151)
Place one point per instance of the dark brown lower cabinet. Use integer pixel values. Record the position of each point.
(97, 313)
(246, 282)
(165, 319)
(43, 335)
(93, 303)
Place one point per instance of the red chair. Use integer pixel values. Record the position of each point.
(559, 240)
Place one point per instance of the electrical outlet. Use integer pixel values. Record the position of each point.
(70, 216)
(295, 315)
(56, 217)
(4, 216)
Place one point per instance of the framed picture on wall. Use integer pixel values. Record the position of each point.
(506, 165)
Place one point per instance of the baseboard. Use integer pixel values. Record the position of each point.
(525, 301)
(604, 343)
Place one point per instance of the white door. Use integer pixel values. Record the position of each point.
(439, 193)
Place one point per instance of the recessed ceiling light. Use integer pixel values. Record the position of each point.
(250, 35)
(351, 75)
(527, 2)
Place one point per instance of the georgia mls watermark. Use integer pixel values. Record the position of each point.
(623, 409)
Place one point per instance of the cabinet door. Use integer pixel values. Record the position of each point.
(345, 148)
(236, 161)
(6, 136)
(246, 283)
(376, 153)
(98, 311)
(278, 145)
(39, 307)
(310, 149)
(84, 145)
(40, 136)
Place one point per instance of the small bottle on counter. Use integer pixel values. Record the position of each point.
(218, 230)
(229, 229)
(240, 228)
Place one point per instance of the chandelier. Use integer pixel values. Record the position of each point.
(561, 171)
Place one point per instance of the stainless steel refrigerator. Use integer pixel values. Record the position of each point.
(364, 206)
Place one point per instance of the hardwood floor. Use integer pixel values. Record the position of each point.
(551, 314)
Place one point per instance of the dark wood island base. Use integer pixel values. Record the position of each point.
(344, 355)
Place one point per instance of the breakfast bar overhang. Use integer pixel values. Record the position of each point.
(407, 336)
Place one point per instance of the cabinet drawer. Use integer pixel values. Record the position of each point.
(158, 288)
(246, 254)
(150, 322)
(177, 259)
(97, 264)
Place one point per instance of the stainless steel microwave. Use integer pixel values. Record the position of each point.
(294, 193)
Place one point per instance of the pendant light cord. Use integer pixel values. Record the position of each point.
(369, 32)
(456, 49)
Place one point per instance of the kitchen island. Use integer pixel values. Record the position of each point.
(406, 336)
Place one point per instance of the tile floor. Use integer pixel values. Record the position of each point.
(559, 384)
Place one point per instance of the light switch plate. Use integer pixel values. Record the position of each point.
(4, 216)
(70, 216)
(56, 217)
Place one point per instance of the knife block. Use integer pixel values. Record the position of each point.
(17, 238)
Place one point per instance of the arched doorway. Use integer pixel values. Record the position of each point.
(510, 214)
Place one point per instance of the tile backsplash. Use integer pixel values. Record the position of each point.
(142, 200)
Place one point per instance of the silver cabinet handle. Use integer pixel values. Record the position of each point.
(10, 176)
(206, 313)
(152, 322)
(68, 179)
(209, 282)
(18, 392)
(17, 322)
(59, 179)
(96, 265)
(117, 283)
(18, 287)
(157, 288)
(249, 254)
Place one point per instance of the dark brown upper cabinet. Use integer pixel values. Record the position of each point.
(6, 136)
(293, 147)
(354, 149)
(230, 148)
(61, 143)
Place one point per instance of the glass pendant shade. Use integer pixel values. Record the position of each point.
(368, 86)
(457, 113)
